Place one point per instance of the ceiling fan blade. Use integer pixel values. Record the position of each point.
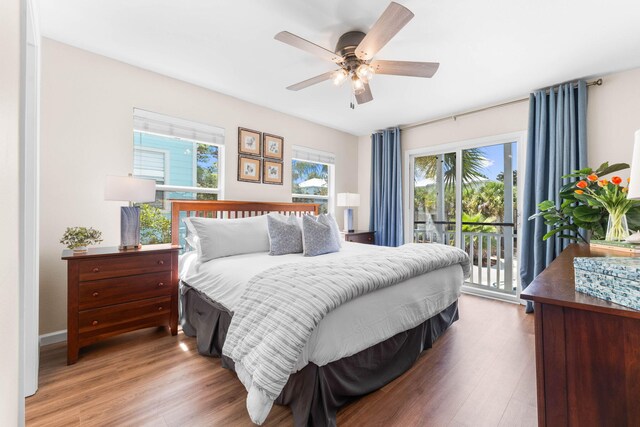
(390, 22)
(405, 68)
(313, 80)
(306, 45)
(365, 96)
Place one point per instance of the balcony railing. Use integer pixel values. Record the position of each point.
(493, 265)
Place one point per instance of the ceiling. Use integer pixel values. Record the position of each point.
(489, 51)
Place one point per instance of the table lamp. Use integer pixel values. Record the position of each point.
(634, 181)
(349, 201)
(132, 190)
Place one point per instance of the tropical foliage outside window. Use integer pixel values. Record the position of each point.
(482, 190)
(182, 169)
(310, 183)
(486, 209)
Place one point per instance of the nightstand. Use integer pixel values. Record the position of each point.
(110, 292)
(367, 237)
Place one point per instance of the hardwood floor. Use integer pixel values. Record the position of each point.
(481, 372)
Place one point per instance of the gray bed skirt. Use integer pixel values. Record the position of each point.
(315, 393)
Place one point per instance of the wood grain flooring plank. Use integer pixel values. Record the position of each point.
(479, 372)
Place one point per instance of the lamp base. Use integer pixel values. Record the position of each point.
(129, 228)
(129, 248)
(348, 220)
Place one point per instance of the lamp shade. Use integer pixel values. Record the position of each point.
(348, 199)
(129, 189)
(634, 182)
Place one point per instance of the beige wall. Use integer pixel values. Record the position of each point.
(86, 107)
(10, 224)
(613, 115)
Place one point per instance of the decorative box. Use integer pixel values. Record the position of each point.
(615, 279)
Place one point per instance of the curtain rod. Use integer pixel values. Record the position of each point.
(478, 110)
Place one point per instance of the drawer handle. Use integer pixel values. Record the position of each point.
(94, 323)
(95, 294)
(160, 284)
(95, 269)
(161, 262)
(159, 308)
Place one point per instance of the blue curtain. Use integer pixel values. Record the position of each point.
(556, 145)
(386, 188)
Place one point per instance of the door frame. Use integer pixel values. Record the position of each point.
(520, 138)
(29, 203)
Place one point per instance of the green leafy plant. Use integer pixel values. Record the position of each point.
(477, 228)
(155, 227)
(584, 203)
(76, 237)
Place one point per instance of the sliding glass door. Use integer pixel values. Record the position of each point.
(467, 197)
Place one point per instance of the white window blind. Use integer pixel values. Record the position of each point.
(149, 164)
(159, 124)
(312, 155)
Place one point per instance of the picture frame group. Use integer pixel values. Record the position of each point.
(260, 157)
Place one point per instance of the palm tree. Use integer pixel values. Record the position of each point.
(473, 163)
(488, 200)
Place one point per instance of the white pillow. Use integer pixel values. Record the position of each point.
(226, 237)
(192, 238)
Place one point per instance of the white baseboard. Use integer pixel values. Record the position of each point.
(53, 337)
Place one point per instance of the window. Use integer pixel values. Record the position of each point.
(185, 160)
(312, 178)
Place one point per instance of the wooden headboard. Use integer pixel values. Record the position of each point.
(231, 209)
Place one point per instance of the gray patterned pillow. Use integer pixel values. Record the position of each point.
(285, 235)
(321, 236)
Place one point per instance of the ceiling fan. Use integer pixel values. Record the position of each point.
(355, 51)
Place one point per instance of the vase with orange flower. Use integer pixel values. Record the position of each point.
(611, 195)
(587, 206)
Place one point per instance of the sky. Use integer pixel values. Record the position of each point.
(495, 157)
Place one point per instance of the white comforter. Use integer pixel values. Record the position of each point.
(350, 328)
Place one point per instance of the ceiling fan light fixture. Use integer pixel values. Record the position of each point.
(354, 55)
(339, 77)
(365, 72)
(358, 85)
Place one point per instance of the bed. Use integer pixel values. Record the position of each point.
(355, 349)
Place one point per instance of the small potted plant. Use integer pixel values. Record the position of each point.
(78, 238)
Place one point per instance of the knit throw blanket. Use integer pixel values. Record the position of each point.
(283, 305)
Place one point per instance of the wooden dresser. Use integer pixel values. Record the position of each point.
(111, 292)
(587, 350)
(367, 237)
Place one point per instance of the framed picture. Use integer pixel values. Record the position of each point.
(272, 172)
(272, 146)
(249, 142)
(249, 169)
